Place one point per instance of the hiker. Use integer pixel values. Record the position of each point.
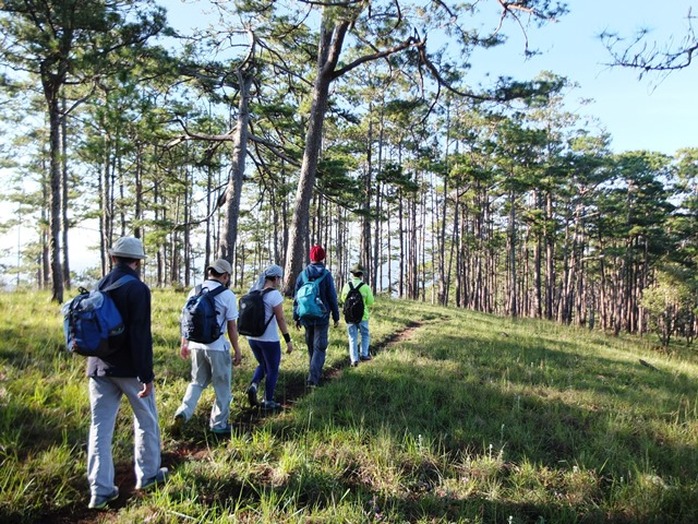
(210, 361)
(316, 323)
(356, 314)
(128, 371)
(267, 347)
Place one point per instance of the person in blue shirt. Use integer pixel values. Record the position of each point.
(316, 330)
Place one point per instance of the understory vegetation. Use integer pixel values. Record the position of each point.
(460, 417)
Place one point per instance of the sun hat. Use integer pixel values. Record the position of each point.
(317, 254)
(128, 247)
(357, 269)
(221, 266)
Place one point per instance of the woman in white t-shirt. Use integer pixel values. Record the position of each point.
(267, 348)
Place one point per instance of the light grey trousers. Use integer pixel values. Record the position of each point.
(215, 368)
(105, 398)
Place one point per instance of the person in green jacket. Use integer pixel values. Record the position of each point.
(354, 328)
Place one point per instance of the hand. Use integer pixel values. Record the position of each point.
(298, 324)
(237, 359)
(336, 323)
(184, 351)
(289, 347)
(147, 390)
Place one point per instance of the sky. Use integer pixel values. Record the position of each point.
(656, 113)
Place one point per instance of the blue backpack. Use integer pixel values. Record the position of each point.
(309, 305)
(199, 320)
(91, 318)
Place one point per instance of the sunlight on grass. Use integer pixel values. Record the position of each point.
(464, 417)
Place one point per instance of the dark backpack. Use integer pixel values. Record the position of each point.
(309, 305)
(91, 318)
(354, 305)
(251, 321)
(199, 319)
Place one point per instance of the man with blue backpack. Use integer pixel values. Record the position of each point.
(126, 371)
(314, 301)
(208, 314)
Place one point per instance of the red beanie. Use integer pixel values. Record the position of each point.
(317, 254)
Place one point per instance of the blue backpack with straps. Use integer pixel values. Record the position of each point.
(309, 305)
(91, 318)
(199, 321)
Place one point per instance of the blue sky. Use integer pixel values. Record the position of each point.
(655, 113)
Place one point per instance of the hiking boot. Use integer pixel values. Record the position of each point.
(365, 358)
(270, 405)
(157, 480)
(223, 432)
(252, 395)
(101, 501)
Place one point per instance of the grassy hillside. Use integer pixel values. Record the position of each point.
(461, 417)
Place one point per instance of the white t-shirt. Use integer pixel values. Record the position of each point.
(271, 299)
(226, 309)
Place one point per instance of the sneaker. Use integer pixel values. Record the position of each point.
(178, 424)
(309, 384)
(158, 479)
(224, 431)
(365, 358)
(252, 394)
(354, 363)
(270, 405)
(101, 501)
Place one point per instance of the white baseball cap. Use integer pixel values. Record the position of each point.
(221, 266)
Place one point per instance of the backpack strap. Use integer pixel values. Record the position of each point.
(351, 287)
(199, 289)
(360, 284)
(264, 292)
(118, 283)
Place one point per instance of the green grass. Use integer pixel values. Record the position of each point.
(461, 417)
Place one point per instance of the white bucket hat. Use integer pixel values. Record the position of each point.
(128, 247)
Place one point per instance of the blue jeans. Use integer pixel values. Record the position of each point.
(105, 398)
(268, 354)
(316, 340)
(209, 367)
(353, 331)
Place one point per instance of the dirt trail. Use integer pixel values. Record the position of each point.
(180, 451)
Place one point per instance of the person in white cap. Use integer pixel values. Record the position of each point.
(210, 363)
(267, 347)
(128, 371)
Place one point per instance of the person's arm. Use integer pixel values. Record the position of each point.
(184, 348)
(139, 331)
(332, 298)
(233, 336)
(281, 321)
(368, 296)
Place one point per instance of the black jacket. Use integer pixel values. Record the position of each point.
(134, 354)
